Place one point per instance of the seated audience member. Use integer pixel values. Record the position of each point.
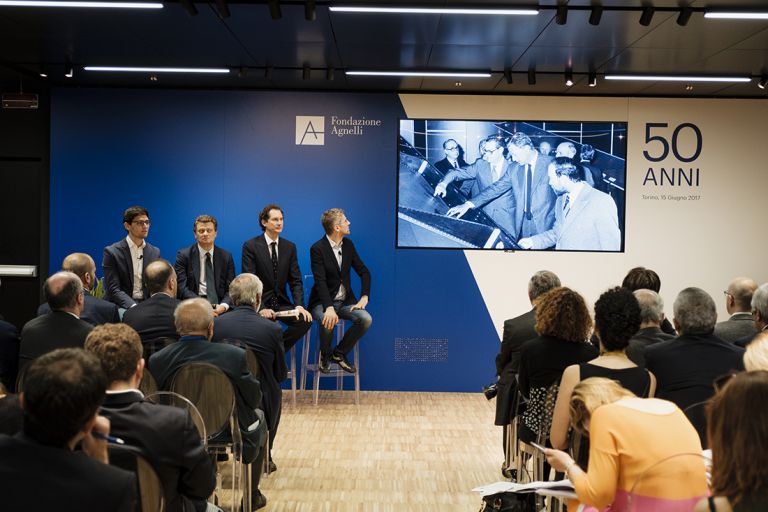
(563, 324)
(61, 327)
(759, 314)
(627, 436)
(737, 416)
(9, 354)
(10, 412)
(617, 318)
(38, 468)
(644, 278)
(194, 323)
(204, 269)
(263, 337)
(517, 331)
(756, 355)
(153, 318)
(95, 310)
(651, 318)
(738, 302)
(687, 366)
(125, 260)
(165, 434)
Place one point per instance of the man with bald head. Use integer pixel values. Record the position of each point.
(96, 311)
(651, 318)
(194, 323)
(738, 299)
(62, 326)
(153, 318)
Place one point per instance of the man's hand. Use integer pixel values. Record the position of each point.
(459, 211)
(268, 313)
(97, 448)
(304, 314)
(330, 318)
(361, 303)
(440, 189)
(525, 243)
(220, 309)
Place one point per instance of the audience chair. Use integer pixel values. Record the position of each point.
(171, 399)
(697, 415)
(677, 471)
(542, 437)
(292, 373)
(313, 367)
(20, 378)
(148, 384)
(155, 345)
(210, 390)
(511, 452)
(150, 491)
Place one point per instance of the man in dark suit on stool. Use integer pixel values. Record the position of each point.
(39, 469)
(153, 318)
(273, 260)
(204, 269)
(194, 323)
(61, 327)
(263, 337)
(332, 297)
(95, 310)
(166, 435)
(125, 260)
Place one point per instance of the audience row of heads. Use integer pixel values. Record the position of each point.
(621, 311)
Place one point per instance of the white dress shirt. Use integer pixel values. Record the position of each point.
(137, 257)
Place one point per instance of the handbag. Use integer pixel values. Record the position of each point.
(509, 502)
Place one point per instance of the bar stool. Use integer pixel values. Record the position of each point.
(335, 370)
(292, 373)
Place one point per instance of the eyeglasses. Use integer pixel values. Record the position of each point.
(452, 148)
(484, 150)
(141, 222)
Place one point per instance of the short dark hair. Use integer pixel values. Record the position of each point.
(520, 140)
(587, 153)
(617, 318)
(641, 277)
(134, 211)
(205, 218)
(264, 214)
(66, 296)
(63, 389)
(156, 275)
(449, 140)
(564, 166)
(118, 348)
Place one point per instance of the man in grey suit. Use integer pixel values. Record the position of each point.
(486, 171)
(738, 298)
(759, 314)
(585, 219)
(651, 317)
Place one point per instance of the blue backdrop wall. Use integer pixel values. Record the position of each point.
(181, 154)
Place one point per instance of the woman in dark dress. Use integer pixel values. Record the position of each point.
(737, 421)
(617, 319)
(563, 325)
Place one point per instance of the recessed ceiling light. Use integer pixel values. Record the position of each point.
(434, 10)
(83, 4)
(673, 78)
(436, 74)
(121, 69)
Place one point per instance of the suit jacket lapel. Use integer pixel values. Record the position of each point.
(579, 204)
(128, 261)
(329, 253)
(194, 256)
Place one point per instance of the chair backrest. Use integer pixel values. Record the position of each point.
(547, 411)
(250, 358)
(20, 378)
(130, 458)
(681, 474)
(155, 345)
(148, 384)
(697, 415)
(172, 399)
(211, 391)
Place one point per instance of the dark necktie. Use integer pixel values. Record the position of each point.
(210, 282)
(456, 164)
(528, 178)
(566, 206)
(273, 250)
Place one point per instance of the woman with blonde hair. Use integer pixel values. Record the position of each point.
(628, 435)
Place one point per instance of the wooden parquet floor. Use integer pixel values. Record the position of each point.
(394, 452)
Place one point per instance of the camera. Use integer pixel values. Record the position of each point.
(490, 391)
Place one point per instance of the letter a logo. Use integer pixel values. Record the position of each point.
(310, 130)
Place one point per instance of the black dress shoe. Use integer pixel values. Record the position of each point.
(510, 473)
(325, 364)
(341, 360)
(272, 466)
(258, 501)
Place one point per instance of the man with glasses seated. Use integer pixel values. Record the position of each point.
(125, 260)
(486, 171)
(166, 435)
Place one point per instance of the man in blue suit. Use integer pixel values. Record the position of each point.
(194, 264)
(125, 260)
(95, 310)
(585, 218)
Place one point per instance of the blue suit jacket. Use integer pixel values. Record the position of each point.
(95, 311)
(188, 272)
(118, 272)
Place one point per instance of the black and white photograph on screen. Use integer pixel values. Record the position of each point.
(509, 185)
